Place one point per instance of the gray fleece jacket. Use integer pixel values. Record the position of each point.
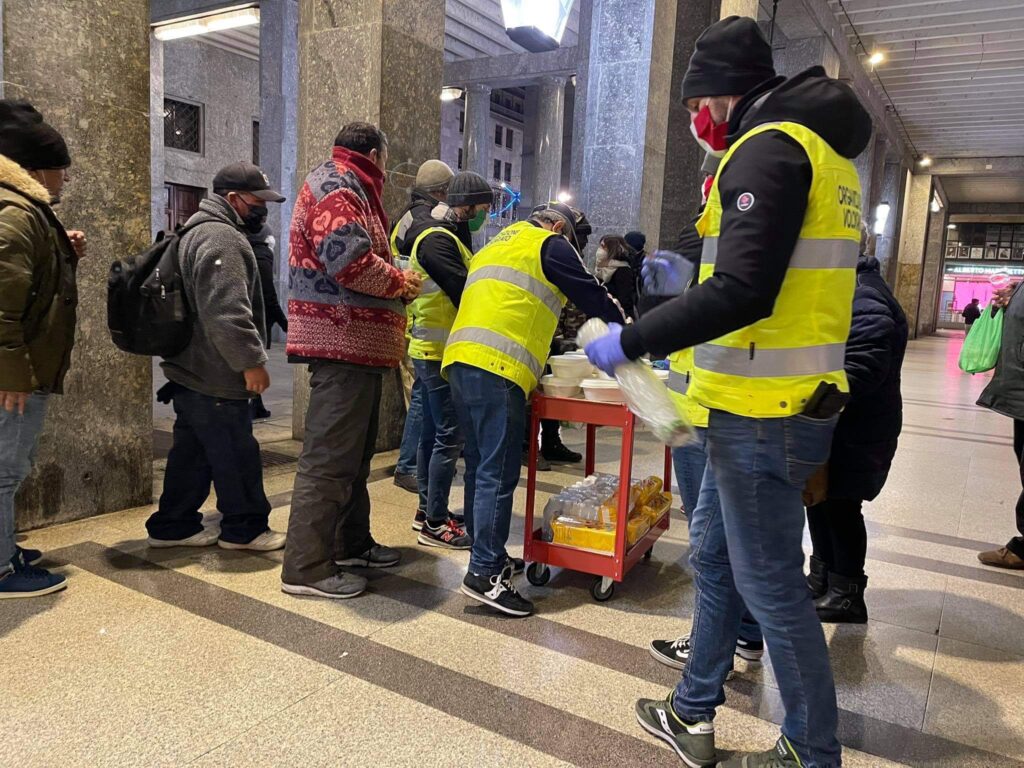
(222, 283)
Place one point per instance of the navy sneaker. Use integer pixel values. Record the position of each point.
(446, 536)
(498, 592)
(29, 581)
(419, 521)
(30, 556)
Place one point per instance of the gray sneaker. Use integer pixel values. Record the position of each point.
(693, 742)
(377, 556)
(782, 755)
(337, 587)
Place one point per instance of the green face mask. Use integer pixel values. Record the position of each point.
(477, 222)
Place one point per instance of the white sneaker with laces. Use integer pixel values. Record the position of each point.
(205, 538)
(268, 541)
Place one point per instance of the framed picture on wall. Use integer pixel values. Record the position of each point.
(963, 252)
(952, 251)
(991, 252)
(977, 252)
(1017, 254)
(1004, 254)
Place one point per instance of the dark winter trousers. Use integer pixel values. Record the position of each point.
(330, 517)
(839, 536)
(1016, 544)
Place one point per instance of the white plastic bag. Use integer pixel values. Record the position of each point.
(645, 394)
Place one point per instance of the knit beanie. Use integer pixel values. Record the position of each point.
(468, 188)
(29, 141)
(730, 58)
(636, 240)
(433, 175)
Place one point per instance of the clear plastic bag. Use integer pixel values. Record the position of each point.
(645, 394)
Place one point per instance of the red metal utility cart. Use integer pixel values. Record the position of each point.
(609, 568)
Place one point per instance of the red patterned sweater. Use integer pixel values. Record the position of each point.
(344, 291)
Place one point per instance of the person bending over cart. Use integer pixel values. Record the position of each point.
(515, 291)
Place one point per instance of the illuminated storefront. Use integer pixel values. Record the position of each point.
(976, 256)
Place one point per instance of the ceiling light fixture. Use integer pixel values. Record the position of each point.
(925, 161)
(876, 58)
(951, 226)
(228, 18)
(537, 25)
(564, 197)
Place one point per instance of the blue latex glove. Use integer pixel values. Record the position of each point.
(606, 353)
(666, 273)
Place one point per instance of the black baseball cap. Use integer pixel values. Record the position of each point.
(246, 177)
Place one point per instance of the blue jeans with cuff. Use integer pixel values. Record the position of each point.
(492, 412)
(19, 439)
(757, 469)
(440, 442)
(410, 446)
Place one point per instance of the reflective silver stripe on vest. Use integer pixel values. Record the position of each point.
(765, 363)
(678, 382)
(429, 286)
(420, 333)
(494, 340)
(808, 254)
(522, 280)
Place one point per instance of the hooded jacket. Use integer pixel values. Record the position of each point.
(755, 246)
(864, 442)
(222, 283)
(38, 289)
(1005, 392)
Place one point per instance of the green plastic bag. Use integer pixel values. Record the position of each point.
(981, 347)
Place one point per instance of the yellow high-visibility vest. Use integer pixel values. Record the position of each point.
(432, 314)
(680, 372)
(509, 310)
(771, 368)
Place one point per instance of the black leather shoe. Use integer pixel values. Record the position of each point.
(557, 453)
(817, 579)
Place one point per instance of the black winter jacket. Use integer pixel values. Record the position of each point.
(865, 438)
(272, 311)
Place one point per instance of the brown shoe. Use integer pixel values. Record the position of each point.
(1002, 558)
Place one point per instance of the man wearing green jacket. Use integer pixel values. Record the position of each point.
(38, 301)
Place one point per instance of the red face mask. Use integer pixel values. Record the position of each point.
(710, 135)
(705, 188)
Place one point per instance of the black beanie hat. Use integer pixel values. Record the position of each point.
(29, 141)
(730, 58)
(468, 188)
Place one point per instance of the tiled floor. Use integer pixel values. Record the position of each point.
(176, 657)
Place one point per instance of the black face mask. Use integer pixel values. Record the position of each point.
(255, 218)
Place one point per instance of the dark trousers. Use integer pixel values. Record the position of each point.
(213, 442)
(330, 517)
(839, 536)
(1016, 544)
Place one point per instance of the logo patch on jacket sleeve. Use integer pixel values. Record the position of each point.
(745, 202)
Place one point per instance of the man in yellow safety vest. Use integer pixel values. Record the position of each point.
(517, 286)
(768, 323)
(441, 257)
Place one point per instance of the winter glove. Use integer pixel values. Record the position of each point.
(606, 352)
(666, 274)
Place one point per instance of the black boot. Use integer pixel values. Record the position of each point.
(817, 579)
(844, 601)
(556, 452)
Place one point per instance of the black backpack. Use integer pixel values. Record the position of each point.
(147, 311)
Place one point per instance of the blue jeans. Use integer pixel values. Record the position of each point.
(213, 442)
(707, 535)
(757, 468)
(440, 442)
(410, 446)
(492, 412)
(19, 438)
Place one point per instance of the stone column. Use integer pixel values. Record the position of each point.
(158, 194)
(85, 65)
(891, 191)
(381, 62)
(629, 77)
(279, 94)
(913, 236)
(476, 135)
(801, 54)
(739, 8)
(547, 145)
(681, 192)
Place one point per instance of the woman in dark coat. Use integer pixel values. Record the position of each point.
(862, 448)
(615, 271)
(263, 247)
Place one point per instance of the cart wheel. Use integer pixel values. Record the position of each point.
(602, 593)
(649, 554)
(538, 574)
